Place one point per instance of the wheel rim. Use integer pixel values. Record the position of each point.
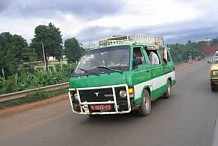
(169, 89)
(147, 103)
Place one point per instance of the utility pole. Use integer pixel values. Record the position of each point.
(43, 51)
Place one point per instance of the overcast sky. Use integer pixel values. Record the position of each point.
(90, 20)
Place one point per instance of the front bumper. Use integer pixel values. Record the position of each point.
(106, 96)
(214, 81)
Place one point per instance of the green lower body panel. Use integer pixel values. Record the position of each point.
(155, 94)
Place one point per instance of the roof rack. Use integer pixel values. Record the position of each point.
(133, 38)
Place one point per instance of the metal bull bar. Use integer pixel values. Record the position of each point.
(110, 106)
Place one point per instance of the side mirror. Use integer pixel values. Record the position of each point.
(71, 71)
(137, 61)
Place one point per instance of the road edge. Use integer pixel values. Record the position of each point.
(27, 106)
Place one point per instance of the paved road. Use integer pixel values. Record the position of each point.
(186, 119)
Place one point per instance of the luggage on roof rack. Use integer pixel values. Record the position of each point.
(129, 39)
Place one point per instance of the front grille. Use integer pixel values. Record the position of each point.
(96, 95)
(123, 105)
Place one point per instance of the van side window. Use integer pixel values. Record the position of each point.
(138, 57)
(165, 56)
(153, 56)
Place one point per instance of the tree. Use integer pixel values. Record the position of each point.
(214, 41)
(11, 53)
(203, 43)
(72, 50)
(181, 52)
(47, 39)
(29, 55)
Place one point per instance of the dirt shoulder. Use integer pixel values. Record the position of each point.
(28, 106)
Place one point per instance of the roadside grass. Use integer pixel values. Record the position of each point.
(36, 96)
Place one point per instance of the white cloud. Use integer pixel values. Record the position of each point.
(18, 26)
(68, 25)
(149, 13)
(132, 15)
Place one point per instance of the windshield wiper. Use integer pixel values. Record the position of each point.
(108, 68)
(88, 71)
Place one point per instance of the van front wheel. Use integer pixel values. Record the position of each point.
(167, 94)
(145, 107)
(213, 88)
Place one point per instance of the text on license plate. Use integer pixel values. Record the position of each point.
(100, 107)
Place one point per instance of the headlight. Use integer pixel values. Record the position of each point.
(215, 73)
(122, 93)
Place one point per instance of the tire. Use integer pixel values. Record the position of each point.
(145, 107)
(213, 88)
(167, 94)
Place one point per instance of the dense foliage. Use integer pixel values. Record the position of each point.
(47, 42)
(20, 67)
(181, 52)
(11, 53)
(38, 78)
(72, 50)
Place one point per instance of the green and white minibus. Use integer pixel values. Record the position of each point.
(119, 76)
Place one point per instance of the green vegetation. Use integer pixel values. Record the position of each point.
(181, 52)
(36, 96)
(27, 79)
(72, 50)
(47, 42)
(11, 53)
(24, 66)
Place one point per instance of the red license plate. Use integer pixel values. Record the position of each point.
(100, 107)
